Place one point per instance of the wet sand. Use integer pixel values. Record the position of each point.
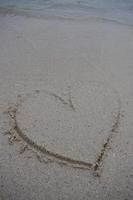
(66, 109)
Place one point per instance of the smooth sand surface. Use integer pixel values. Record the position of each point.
(66, 109)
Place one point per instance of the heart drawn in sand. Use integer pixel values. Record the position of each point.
(73, 128)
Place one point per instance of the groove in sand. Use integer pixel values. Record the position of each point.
(60, 158)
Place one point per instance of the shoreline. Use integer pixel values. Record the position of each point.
(79, 16)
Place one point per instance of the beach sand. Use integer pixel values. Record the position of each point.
(66, 109)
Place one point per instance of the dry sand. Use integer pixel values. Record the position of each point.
(66, 109)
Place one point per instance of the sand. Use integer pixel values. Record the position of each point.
(66, 109)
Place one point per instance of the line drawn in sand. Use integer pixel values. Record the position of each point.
(16, 134)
